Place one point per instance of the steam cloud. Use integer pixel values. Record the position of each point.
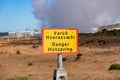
(83, 14)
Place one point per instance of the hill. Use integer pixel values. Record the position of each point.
(105, 38)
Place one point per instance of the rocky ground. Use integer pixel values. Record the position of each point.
(23, 58)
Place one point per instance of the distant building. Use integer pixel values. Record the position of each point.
(109, 27)
(3, 35)
(19, 34)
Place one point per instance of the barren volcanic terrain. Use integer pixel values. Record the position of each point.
(23, 58)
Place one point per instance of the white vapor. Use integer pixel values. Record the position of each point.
(83, 14)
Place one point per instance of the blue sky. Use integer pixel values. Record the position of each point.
(16, 15)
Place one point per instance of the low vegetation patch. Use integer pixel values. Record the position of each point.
(18, 52)
(2, 52)
(30, 64)
(78, 56)
(30, 75)
(64, 59)
(18, 78)
(101, 42)
(114, 67)
(35, 46)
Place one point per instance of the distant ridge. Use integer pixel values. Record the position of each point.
(109, 27)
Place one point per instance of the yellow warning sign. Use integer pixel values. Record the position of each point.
(60, 40)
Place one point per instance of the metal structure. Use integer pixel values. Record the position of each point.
(60, 73)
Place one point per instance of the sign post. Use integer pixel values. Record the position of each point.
(60, 41)
(59, 64)
(60, 73)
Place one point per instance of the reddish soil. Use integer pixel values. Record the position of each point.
(93, 64)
